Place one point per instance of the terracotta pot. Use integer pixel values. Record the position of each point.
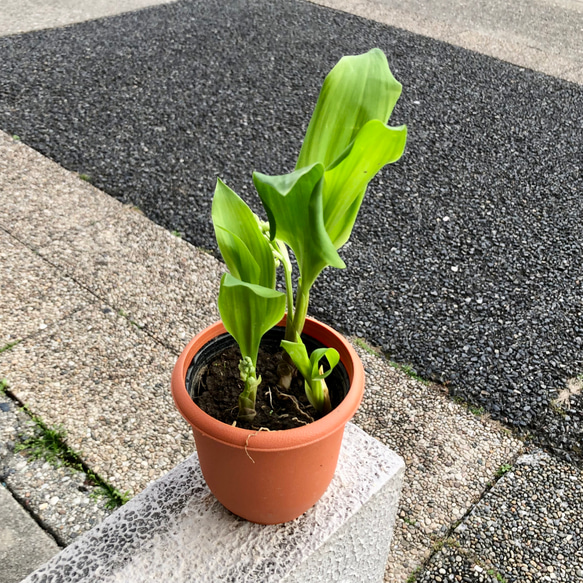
(269, 477)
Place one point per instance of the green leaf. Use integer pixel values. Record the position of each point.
(248, 311)
(293, 203)
(245, 249)
(316, 389)
(358, 89)
(346, 180)
(331, 355)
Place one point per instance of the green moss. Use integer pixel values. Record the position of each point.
(49, 443)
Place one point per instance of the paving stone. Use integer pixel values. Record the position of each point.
(23, 544)
(526, 528)
(41, 201)
(160, 282)
(108, 384)
(542, 35)
(33, 294)
(64, 500)
(23, 15)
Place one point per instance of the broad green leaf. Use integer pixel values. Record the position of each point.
(246, 251)
(346, 180)
(359, 88)
(248, 311)
(293, 203)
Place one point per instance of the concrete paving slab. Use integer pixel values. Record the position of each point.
(544, 35)
(107, 383)
(526, 528)
(24, 546)
(40, 201)
(64, 500)
(23, 15)
(33, 294)
(450, 453)
(159, 281)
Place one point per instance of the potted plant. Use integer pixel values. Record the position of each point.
(313, 380)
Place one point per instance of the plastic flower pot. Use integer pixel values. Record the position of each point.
(268, 477)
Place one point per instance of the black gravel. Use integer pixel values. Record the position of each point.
(466, 261)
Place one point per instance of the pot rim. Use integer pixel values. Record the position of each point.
(270, 440)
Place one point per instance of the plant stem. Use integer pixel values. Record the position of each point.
(248, 396)
(287, 270)
(296, 324)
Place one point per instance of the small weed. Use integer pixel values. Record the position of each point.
(409, 371)
(503, 469)
(124, 314)
(499, 577)
(49, 443)
(9, 346)
(3, 386)
(176, 234)
(135, 208)
(478, 411)
(557, 409)
(114, 498)
(413, 576)
(16, 138)
(366, 346)
(85, 177)
(409, 521)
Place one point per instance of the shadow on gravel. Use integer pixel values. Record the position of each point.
(467, 259)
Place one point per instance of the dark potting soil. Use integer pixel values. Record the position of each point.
(277, 408)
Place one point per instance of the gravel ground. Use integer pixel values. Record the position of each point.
(476, 274)
(61, 498)
(517, 532)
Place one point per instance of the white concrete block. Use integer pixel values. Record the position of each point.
(176, 531)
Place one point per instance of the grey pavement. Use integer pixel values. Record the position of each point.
(75, 295)
(24, 545)
(26, 15)
(544, 35)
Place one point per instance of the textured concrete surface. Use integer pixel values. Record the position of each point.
(40, 202)
(518, 532)
(177, 531)
(161, 283)
(63, 499)
(107, 383)
(544, 35)
(34, 294)
(23, 544)
(23, 15)
(451, 455)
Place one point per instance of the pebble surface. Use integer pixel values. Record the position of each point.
(517, 530)
(450, 455)
(472, 244)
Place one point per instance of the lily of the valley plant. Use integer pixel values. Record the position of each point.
(312, 211)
